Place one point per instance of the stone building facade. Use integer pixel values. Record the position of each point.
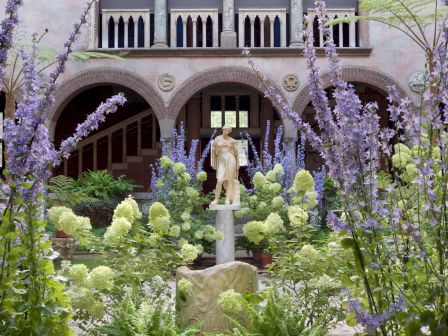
(181, 62)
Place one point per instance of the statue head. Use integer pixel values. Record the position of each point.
(226, 129)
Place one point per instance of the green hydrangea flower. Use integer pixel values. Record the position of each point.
(274, 223)
(275, 188)
(297, 216)
(189, 252)
(116, 231)
(166, 162)
(401, 160)
(191, 192)
(311, 199)
(79, 273)
(158, 210)
(402, 149)
(259, 180)
(186, 226)
(230, 302)
(128, 209)
(303, 181)
(174, 231)
(199, 234)
(184, 286)
(255, 231)
(55, 213)
(179, 168)
(271, 176)
(277, 202)
(202, 176)
(102, 278)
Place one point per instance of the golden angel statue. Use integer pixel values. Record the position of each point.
(226, 163)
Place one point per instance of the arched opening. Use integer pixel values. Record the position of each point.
(141, 32)
(131, 33)
(367, 93)
(346, 33)
(335, 29)
(121, 33)
(257, 32)
(125, 144)
(267, 32)
(209, 28)
(111, 31)
(316, 41)
(199, 33)
(238, 105)
(247, 32)
(277, 32)
(180, 32)
(189, 32)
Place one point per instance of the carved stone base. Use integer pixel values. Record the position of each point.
(200, 304)
(228, 39)
(64, 246)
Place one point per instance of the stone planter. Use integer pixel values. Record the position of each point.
(64, 246)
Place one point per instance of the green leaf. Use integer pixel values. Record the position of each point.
(347, 243)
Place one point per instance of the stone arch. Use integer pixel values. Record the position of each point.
(91, 78)
(225, 74)
(371, 77)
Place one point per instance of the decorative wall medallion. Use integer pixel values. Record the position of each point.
(417, 82)
(166, 82)
(291, 82)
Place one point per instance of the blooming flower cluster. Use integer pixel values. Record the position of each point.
(88, 286)
(184, 287)
(230, 302)
(64, 219)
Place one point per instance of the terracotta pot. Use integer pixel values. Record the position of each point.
(257, 256)
(61, 234)
(266, 260)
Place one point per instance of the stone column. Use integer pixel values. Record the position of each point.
(296, 22)
(225, 248)
(228, 36)
(160, 17)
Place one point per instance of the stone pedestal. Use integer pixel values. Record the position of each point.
(225, 248)
(199, 305)
(64, 246)
(228, 39)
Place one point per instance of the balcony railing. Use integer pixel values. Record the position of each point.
(123, 28)
(201, 28)
(344, 34)
(196, 28)
(262, 28)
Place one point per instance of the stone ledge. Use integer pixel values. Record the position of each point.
(225, 52)
(224, 207)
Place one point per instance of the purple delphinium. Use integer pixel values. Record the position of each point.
(7, 27)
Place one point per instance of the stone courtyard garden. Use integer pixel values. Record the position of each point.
(357, 246)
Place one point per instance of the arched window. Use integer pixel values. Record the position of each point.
(346, 33)
(121, 33)
(267, 32)
(316, 32)
(277, 32)
(131, 33)
(111, 32)
(180, 32)
(189, 32)
(209, 28)
(199, 33)
(141, 32)
(247, 41)
(336, 33)
(257, 32)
